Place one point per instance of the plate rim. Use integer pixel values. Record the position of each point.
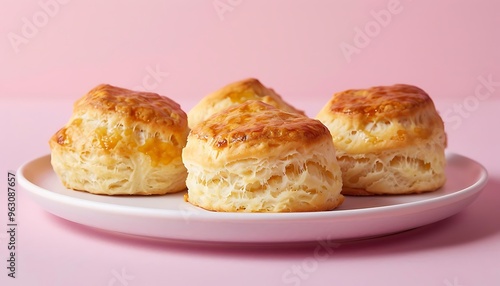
(201, 214)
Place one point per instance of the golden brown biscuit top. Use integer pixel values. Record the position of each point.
(253, 122)
(142, 106)
(244, 90)
(123, 121)
(379, 100)
(381, 118)
(251, 89)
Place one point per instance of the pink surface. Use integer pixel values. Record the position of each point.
(306, 50)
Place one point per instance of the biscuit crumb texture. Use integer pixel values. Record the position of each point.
(122, 142)
(389, 140)
(253, 157)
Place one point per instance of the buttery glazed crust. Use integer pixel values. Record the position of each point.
(389, 139)
(253, 157)
(235, 93)
(120, 141)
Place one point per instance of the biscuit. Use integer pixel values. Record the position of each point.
(253, 157)
(122, 142)
(389, 140)
(235, 93)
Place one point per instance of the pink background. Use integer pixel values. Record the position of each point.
(52, 52)
(293, 46)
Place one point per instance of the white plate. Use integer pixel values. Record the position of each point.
(169, 217)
